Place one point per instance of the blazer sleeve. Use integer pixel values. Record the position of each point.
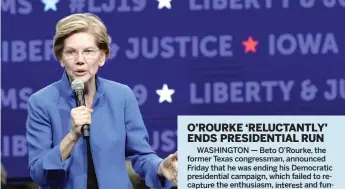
(45, 165)
(145, 161)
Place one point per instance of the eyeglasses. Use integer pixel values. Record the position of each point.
(73, 54)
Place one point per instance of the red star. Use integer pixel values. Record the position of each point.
(250, 44)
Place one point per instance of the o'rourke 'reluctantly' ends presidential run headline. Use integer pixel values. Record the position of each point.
(271, 132)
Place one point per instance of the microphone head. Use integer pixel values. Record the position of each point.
(77, 85)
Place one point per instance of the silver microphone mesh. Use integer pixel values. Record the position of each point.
(77, 85)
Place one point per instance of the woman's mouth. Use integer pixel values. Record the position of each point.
(80, 72)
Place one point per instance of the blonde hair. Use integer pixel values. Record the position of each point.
(83, 22)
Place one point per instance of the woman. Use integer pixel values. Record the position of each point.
(57, 150)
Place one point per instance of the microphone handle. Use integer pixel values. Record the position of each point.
(79, 98)
(85, 130)
(80, 101)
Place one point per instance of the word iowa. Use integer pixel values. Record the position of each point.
(304, 44)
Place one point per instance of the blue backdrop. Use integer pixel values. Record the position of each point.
(222, 57)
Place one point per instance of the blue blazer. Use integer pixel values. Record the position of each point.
(117, 132)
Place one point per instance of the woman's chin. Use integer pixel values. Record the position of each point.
(84, 79)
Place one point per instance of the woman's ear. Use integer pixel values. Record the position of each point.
(62, 64)
(102, 59)
(101, 63)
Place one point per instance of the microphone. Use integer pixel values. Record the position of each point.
(78, 90)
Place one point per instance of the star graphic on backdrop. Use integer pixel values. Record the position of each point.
(250, 44)
(165, 93)
(164, 3)
(49, 4)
